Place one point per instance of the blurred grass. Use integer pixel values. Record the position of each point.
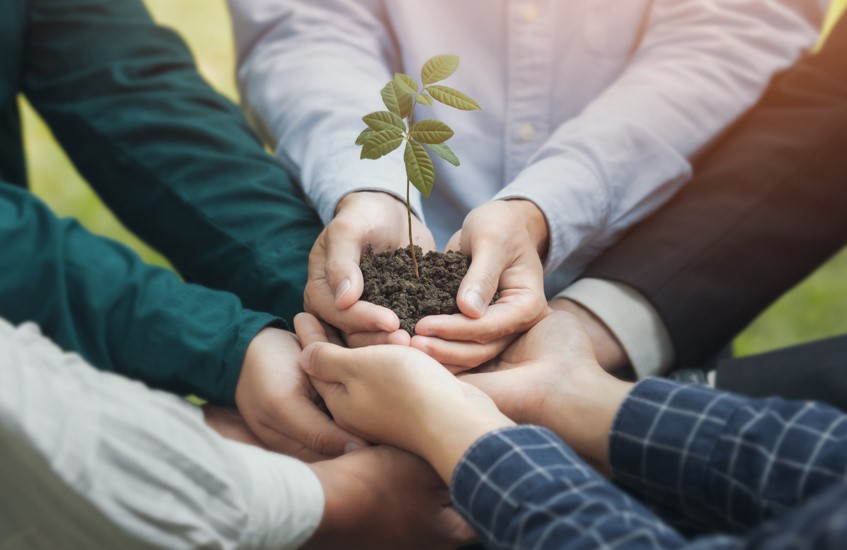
(815, 309)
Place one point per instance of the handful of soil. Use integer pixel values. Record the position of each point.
(390, 282)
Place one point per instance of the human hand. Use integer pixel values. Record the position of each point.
(229, 424)
(506, 240)
(608, 350)
(335, 282)
(399, 396)
(279, 404)
(381, 497)
(550, 377)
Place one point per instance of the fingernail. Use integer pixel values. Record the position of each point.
(350, 447)
(342, 289)
(475, 301)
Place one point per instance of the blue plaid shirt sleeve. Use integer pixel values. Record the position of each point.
(721, 461)
(524, 488)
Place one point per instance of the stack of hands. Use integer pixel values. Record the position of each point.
(401, 411)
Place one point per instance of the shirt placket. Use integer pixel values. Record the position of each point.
(530, 25)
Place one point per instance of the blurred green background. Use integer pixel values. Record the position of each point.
(815, 309)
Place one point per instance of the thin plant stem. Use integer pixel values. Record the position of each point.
(411, 243)
(409, 202)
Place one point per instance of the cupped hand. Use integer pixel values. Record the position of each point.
(279, 404)
(550, 377)
(381, 497)
(335, 282)
(524, 378)
(506, 241)
(398, 395)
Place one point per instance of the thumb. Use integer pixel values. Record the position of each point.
(326, 362)
(310, 330)
(481, 281)
(343, 254)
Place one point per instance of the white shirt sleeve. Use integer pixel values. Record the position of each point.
(303, 65)
(145, 459)
(631, 318)
(699, 65)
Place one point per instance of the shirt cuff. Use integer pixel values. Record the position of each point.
(631, 318)
(287, 501)
(504, 470)
(664, 437)
(572, 199)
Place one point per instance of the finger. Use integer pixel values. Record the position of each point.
(310, 330)
(327, 363)
(360, 317)
(455, 242)
(507, 316)
(344, 244)
(318, 432)
(365, 339)
(489, 260)
(283, 444)
(461, 355)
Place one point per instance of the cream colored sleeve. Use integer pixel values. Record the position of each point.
(144, 459)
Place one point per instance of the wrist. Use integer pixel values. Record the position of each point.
(609, 351)
(581, 410)
(446, 442)
(535, 222)
(383, 198)
(334, 517)
(268, 345)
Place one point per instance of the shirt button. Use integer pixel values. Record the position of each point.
(526, 132)
(530, 13)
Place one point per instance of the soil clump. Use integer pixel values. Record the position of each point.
(390, 282)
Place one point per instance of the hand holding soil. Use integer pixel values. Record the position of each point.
(505, 240)
(335, 282)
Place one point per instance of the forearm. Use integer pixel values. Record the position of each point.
(171, 157)
(696, 69)
(120, 446)
(307, 92)
(96, 297)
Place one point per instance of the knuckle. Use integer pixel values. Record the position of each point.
(319, 441)
(344, 227)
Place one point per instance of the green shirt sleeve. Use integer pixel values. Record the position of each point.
(96, 297)
(175, 161)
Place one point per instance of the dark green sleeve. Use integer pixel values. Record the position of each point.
(96, 297)
(173, 159)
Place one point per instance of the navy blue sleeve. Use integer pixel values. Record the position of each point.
(767, 466)
(721, 462)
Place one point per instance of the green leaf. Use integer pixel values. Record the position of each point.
(430, 131)
(406, 83)
(419, 168)
(444, 152)
(366, 133)
(424, 99)
(383, 120)
(452, 97)
(438, 68)
(381, 143)
(396, 100)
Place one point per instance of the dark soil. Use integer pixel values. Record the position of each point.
(390, 282)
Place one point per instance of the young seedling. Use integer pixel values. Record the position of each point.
(387, 130)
